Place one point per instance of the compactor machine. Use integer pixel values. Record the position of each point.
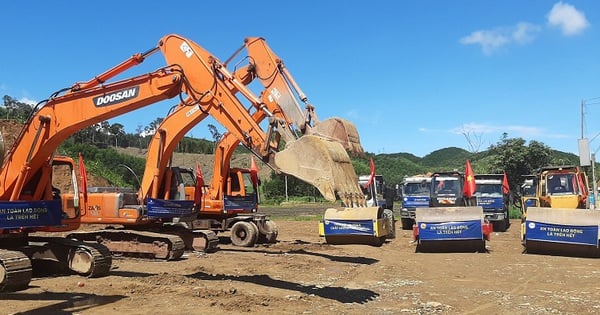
(561, 223)
(344, 226)
(452, 222)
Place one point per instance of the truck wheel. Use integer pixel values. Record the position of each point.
(244, 234)
(502, 226)
(407, 224)
(271, 233)
(389, 215)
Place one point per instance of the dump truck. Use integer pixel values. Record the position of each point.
(493, 195)
(415, 193)
(561, 223)
(452, 222)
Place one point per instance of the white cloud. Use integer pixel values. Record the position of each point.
(512, 130)
(525, 32)
(28, 101)
(492, 40)
(568, 19)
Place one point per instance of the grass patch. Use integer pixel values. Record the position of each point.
(296, 218)
(514, 212)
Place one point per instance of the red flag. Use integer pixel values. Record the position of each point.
(199, 185)
(372, 177)
(469, 188)
(253, 171)
(83, 175)
(505, 186)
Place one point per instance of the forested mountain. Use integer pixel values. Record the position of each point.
(514, 156)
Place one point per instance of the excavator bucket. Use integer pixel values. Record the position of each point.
(342, 131)
(324, 164)
(562, 231)
(451, 229)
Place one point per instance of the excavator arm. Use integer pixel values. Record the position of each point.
(214, 92)
(281, 87)
(62, 116)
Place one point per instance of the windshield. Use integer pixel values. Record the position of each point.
(446, 185)
(488, 190)
(562, 184)
(416, 189)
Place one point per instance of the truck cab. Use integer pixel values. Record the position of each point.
(447, 189)
(491, 197)
(415, 192)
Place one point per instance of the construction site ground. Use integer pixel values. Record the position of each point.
(300, 274)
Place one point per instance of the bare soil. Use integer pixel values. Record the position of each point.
(300, 274)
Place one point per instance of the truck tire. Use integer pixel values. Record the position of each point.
(502, 226)
(407, 224)
(389, 214)
(271, 233)
(244, 234)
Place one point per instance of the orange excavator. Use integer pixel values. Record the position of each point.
(212, 90)
(28, 202)
(230, 201)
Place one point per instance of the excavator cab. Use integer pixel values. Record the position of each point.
(59, 207)
(242, 192)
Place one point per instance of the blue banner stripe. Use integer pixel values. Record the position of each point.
(16, 214)
(349, 227)
(570, 234)
(467, 230)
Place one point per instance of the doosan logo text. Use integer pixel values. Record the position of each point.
(117, 97)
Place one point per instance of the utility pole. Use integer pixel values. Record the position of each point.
(595, 192)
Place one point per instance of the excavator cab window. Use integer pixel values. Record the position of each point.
(63, 187)
(234, 185)
(248, 184)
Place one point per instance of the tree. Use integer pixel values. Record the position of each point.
(474, 140)
(214, 132)
(151, 129)
(139, 131)
(517, 159)
(117, 130)
(14, 109)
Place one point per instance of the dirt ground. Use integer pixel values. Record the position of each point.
(300, 274)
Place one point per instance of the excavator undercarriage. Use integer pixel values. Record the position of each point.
(50, 255)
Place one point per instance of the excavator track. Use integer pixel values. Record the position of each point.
(131, 243)
(194, 240)
(86, 259)
(15, 271)
(205, 241)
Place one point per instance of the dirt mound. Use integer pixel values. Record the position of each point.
(10, 131)
(206, 161)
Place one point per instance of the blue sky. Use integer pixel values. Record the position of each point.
(414, 76)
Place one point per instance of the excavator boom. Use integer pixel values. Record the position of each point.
(281, 87)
